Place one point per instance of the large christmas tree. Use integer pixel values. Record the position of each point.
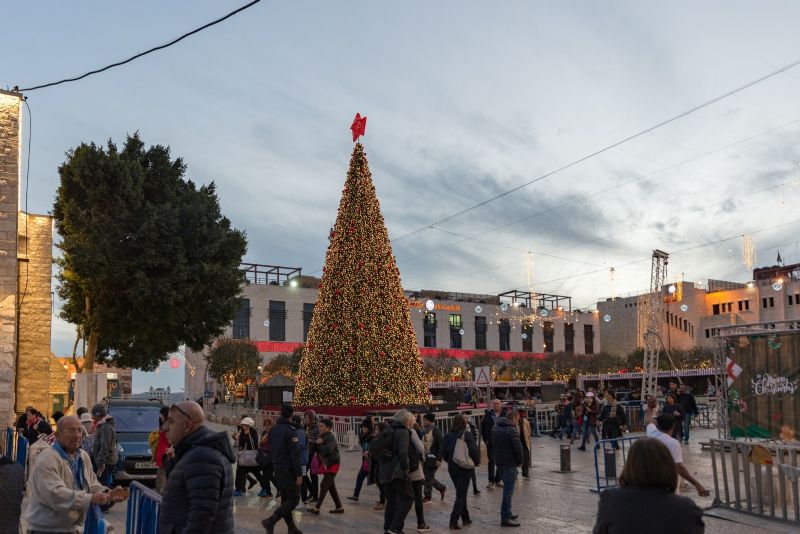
(361, 348)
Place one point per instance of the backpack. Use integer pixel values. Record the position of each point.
(380, 448)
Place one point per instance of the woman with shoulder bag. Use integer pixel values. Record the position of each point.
(328, 458)
(247, 449)
(416, 454)
(462, 456)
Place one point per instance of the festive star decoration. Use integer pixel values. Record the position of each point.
(359, 126)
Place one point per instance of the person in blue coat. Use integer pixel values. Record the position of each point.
(508, 455)
(297, 423)
(284, 451)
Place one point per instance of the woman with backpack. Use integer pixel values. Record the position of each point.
(462, 456)
(328, 459)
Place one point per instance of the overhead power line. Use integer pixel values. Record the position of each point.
(137, 56)
(604, 149)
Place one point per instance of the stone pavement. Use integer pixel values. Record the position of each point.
(551, 502)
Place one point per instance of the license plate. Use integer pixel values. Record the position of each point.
(144, 465)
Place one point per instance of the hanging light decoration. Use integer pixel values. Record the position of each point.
(748, 252)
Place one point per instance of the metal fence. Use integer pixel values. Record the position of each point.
(144, 505)
(609, 459)
(15, 446)
(757, 478)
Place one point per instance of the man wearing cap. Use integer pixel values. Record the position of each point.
(198, 497)
(104, 450)
(284, 451)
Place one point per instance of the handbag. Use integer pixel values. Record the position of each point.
(461, 455)
(365, 465)
(315, 464)
(327, 469)
(247, 458)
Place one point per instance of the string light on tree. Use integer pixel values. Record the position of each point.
(361, 348)
(748, 252)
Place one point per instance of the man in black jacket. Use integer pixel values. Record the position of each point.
(488, 422)
(198, 498)
(508, 455)
(284, 451)
(689, 405)
(432, 441)
(394, 474)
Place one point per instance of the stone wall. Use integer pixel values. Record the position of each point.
(35, 311)
(9, 180)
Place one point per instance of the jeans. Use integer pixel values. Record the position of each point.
(474, 477)
(687, 424)
(431, 482)
(399, 499)
(267, 476)
(289, 492)
(329, 485)
(494, 476)
(362, 475)
(418, 507)
(509, 475)
(460, 478)
(586, 429)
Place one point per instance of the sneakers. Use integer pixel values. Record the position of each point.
(238, 493)
(336, 511)
(476, 491)
(490, 485)
(423, 528)
(498, 484)
(269, 525)
(582, 448)
(509, 523)
(352, 498)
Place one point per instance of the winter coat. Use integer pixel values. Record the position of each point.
(284, 447)
(248, 441)
(312, 433)
(416, 452)
(303, 442)
(397, 467)
(487, 423)
(613, 417)
(432, 439)
(687, 402)
(32, 431)
(328, 450)
(54, 503)
(592, 410)
(652, 510)
(449, 447)
(12, 484)
(198, 497)
(104, 450)
(525, 433)
(674, 410)
(506, 445)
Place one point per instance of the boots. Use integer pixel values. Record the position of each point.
(292, 527)
(269, 523)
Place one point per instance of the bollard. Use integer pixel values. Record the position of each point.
(565, 458)
(610, 460)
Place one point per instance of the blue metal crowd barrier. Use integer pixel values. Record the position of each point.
(8, 443)
(606, 451)
(22, 450)
(144, 505)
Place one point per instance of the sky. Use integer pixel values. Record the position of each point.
(465, 100)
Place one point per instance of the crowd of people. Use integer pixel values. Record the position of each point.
(297, 458)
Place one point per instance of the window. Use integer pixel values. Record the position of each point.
(548, 332)
(308, 313)
(527, 336)
(569, 337)
(708, 333)
(685, 325)
(504, 329)
(715, 309)
(277, 320)
(790, 300)
(480, 333)
(588, 339)
(768, 302)
(241, 321)
(429, 330)
(455, 328)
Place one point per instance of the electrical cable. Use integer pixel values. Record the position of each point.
(604, 149)
(27, 188)
(137, 56)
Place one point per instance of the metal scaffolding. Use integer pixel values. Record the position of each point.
(653, 317)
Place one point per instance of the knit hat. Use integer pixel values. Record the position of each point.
(248, 421)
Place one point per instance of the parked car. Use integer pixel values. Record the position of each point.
(134, 420)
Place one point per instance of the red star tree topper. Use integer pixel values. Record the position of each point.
(359, 126)
(361, 347)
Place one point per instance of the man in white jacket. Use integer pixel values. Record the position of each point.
(63, 485)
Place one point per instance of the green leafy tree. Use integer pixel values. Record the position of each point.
(287, 364)
(148, 262)
(233, 361)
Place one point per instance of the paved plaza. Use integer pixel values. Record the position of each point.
(550, 502)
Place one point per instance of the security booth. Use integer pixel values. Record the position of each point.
(276, 391)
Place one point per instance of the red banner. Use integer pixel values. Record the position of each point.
(459, 354)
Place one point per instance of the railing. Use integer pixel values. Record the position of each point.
(757, 478)
(606, 462)
(144, 505)
(15, 446)
(8, 443)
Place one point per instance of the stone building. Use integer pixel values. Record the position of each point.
(25, 280)
(278, 303)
